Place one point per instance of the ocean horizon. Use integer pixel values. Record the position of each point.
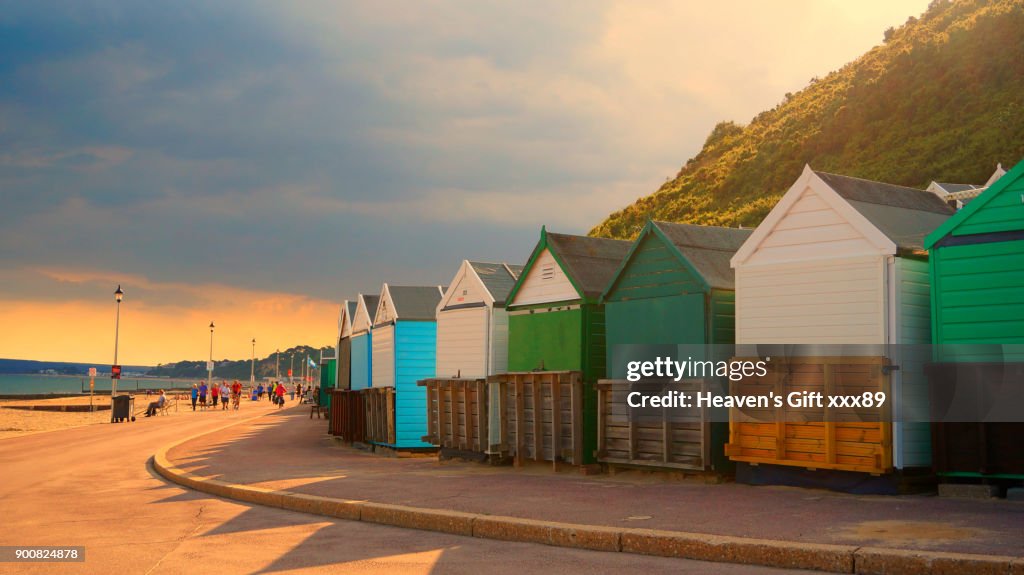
(30, 384)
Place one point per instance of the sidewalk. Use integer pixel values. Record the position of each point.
(288, 451)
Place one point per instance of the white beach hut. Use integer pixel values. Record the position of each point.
(840, 260)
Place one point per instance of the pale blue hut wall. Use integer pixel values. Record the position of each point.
(361, 366)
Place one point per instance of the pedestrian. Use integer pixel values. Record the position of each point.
(203, 389)
(298, 391)
(293, 392)
(214, 393)
(280, 395)
(195, 395)
(259, 391)
(225, 393)
(236, 393)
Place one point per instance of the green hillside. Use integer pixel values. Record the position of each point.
(240, 369)
(941, 99)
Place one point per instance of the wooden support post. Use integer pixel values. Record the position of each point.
(603, 399)
(520, 421)
(467, 418)
(780, 418)
(830, 427)
(482, 401)
(442, 426)
(556, 422)
(538, 420)
(576, 382)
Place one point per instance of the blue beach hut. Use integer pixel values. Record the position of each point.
(362, 341)
(404, 351)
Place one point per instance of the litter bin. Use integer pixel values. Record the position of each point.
(123, 409)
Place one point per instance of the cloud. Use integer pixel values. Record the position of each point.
(324, 147)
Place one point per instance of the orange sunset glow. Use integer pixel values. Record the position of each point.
(158, 322)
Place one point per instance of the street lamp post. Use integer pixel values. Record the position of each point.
(209, 364)
(291, 366)
(252, 369)
(118, 296)
(277, 365)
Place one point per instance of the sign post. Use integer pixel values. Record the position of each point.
(92, 386)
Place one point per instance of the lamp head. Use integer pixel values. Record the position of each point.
(119, 294)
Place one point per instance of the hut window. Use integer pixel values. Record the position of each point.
(547, 272)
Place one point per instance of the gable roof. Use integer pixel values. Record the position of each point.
(413, 302)
(893, 218)
(498, 279)
(990, 193)
(368, 302)
(588, 262)
(348, 309)
(707, 248)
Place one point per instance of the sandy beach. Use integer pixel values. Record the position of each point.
(16, 422)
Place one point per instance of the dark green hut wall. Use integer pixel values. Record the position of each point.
(549, 338)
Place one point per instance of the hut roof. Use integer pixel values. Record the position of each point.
(415, 302)
(499, 279)
(905, 215)
(589, 262)
(707, 248)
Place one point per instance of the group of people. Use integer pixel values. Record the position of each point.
(220, 393)
(274, 391)
(217, 393)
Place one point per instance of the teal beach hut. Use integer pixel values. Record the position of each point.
(404, 352)
(675, 287)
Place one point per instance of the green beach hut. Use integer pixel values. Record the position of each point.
(675, 287)
(977, 278)
(556, 321)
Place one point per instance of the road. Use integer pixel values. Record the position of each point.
(92, 486)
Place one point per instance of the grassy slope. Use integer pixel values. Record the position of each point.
(942, 99)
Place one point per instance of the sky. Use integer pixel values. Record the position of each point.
(255, 163)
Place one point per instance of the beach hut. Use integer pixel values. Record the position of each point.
(674, 287)
(472, 343)
(556, 323)
(404, 352)
(328, 379)
(361, 341)
(839, 260)
(977, 276)
(344, 347)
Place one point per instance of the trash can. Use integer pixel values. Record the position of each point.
(123, 409)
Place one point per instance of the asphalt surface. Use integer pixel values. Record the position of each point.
(92, 486)
(293, 453)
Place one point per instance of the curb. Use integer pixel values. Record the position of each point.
(698, 546)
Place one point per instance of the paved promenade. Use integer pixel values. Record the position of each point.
(294, 453)
(93, 486)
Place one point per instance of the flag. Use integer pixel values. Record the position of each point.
(312, 364)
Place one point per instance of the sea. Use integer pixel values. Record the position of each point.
(31, 384)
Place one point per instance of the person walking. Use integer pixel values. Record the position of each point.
(293, 392)
(195, 395)
(203, 389)
(236, 394)
(259, 391)
(214, 393)
(225, 393)
(280, 395)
